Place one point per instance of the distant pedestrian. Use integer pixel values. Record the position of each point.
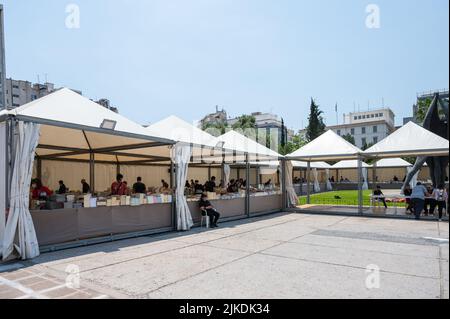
(418, 195)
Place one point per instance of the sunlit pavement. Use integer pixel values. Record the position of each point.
(277, 256)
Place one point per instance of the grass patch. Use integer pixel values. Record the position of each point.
(347, 198)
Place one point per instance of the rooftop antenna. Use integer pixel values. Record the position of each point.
(39, 80)
(368, 105)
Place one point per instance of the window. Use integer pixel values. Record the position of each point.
(16, 95)
(353, 131)
(339, 132)
(381, 114)
(375, 129)
(364, 141)
(355, 118)
(363, 130)
(372, 116)
(15, 86)
(359, 117)
(375, 139)
(376, 115)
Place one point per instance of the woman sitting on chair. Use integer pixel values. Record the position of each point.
(205, 206)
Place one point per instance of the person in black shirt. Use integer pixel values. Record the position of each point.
(62, 188)
(211, 185)
(205, 205)
(408, 192)
(139, 187)
(198, 188)
(380, 195)
(86, 187)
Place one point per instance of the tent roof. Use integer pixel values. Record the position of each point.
(393, 162)
(349, 164)
(328, 146)
(318, 165)
(235, 141)
(176, 129)
(410, 140)
(71, 126)
(68, 107)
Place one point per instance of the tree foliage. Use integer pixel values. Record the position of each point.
(316, 126)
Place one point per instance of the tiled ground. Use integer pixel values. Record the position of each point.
(277, 256)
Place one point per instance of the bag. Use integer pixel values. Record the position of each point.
(441, 196)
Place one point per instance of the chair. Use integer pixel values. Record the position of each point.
(205, 218)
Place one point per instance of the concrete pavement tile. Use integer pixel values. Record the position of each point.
(444, 251)
(283, 232)
(117, 257)
(10, 293)
(370, 245)
(416, 266)
(259, 276)
(147, 274)
(247, 243)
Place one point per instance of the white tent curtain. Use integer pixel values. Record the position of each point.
(413, 182)
(329, 186)
(2, 182)
(181, 155)
(365, 185)
(227, 174)
(291, 194)
(316, 180)
(19, 220)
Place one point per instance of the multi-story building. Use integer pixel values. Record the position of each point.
(267, 124)
(18, 93)
(368, 127)
(2, 61)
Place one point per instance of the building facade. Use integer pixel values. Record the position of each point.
(367, 128)
(18, 93)
(267, 125)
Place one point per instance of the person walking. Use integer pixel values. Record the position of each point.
(418, 195)
(440, 197)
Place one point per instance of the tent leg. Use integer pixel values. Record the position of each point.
(39, 168)
(92, 171)
(308, 184)
(247, 188)
(374, 176)
(360, 191)
(173, 186)
(283, 184)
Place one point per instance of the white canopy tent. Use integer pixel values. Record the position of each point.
(70, 128)
(410, 140)
(328, 146)
(349, 164)
(392, 163)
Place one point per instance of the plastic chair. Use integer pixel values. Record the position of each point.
(205, 218)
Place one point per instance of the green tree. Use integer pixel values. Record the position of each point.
(215, 129)
(246, 125)
(422, 108)
(316, 126)
(297, 142)
(349, 138)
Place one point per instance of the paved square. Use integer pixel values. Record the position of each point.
(283, 255)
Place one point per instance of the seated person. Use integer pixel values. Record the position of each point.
(139, 187)
(210, 185)
(39, 191)
(165, 187)
(233, 188)
(380, 196)
(205, 205)
(119, 187)
(198, 188)
(85, 187)
(395, 179)
(62, 188)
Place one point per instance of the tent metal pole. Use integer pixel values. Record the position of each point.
(92, 171)
(12, 154)
(360, 191)
(7, 163)
(247, 186)
(374, 176)
(173, 186)
(308, 183)
(39, 168)
(283, 184)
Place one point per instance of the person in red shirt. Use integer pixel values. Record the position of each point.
(119, 187)
(38, 190)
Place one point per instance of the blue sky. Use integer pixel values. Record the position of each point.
(156, 58)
